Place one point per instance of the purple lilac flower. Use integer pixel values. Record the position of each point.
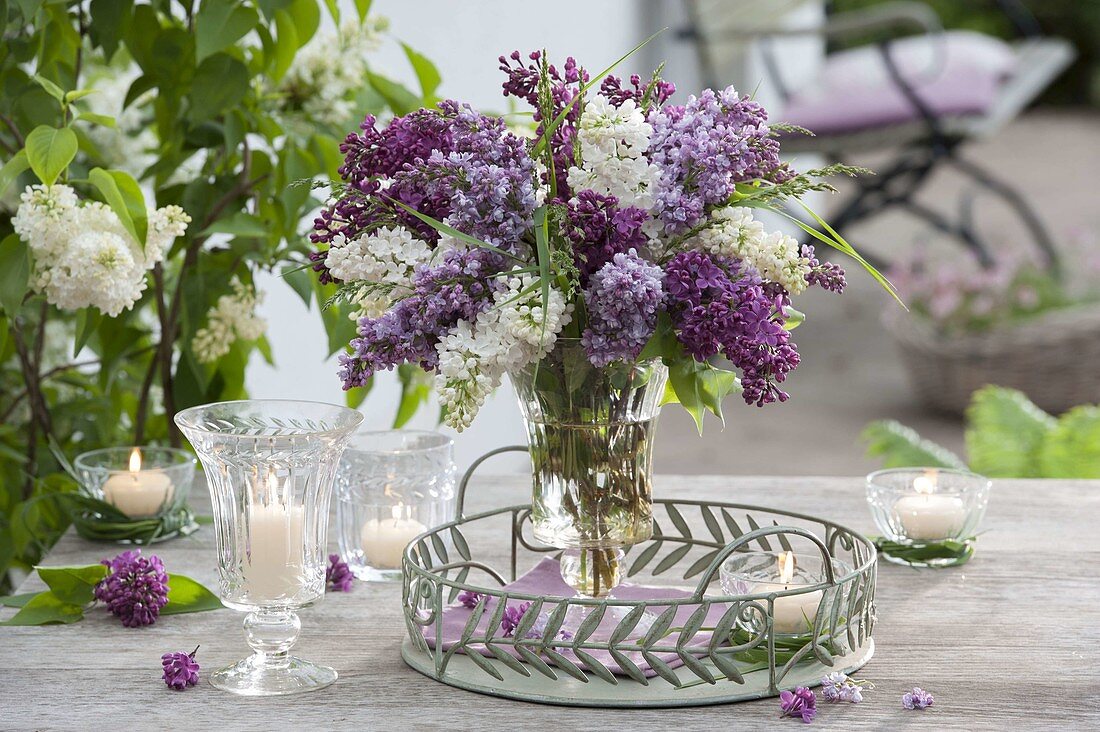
(180, 669)
(612, 88)
(801, 703)
(451, 163)
(135, 589)
(706, 147)
(718, 306)
(459, 287)
(338, 576)
(469, 598)
(826, 275)
(523, 83)
(512, 616)
(918, 698)
(622, 299)
(599, 230)
(839, 687)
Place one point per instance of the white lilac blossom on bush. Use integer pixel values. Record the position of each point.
(82, 254)
(626, 222)
(232, 317)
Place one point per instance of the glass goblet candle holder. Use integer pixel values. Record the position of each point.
(144, 484)
(927, 516)
(391, 487)
(790, 580)
(270, 466)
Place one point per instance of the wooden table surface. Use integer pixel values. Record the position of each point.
(1008, 641)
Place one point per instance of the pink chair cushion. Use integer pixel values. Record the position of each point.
(956, 73)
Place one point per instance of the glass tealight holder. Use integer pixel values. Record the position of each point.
(928, 517)
(147, 488)
(270, 466)
(391, 487)
(787, 576)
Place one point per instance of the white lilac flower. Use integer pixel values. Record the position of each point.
(232, 317)
(510, 334)
(82, 255)
(387, 255)
(613, 142)
(330, 69)
(776, 256)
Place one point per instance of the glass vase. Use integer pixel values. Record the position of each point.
(590, 432)
(270, 467)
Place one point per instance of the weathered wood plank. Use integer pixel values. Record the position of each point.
(1010, 639)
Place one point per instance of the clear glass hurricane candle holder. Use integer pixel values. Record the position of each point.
(788, 576)
(141, 482)
(391, 487)
(270, 465)
(926, 508)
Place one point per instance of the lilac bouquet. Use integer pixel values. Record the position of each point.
(626, 224)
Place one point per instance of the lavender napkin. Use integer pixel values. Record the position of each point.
(545, 579)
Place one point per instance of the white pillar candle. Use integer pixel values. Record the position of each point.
(384, 540)
(275, 565)
(138, 493)
(928, 516)
(793, 613)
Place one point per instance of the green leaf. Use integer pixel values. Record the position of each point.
(110, 21)
(307, 18)
(76, 94)
(399, 99)
(74, 585)
(15, 271)
(124, 196)
(286, 44)
(426, 72)
(415, 390)
(102, 120)
(1072, 449)
(239, 224)
(682, 378)
(355, 397)
(220, 24)
(1005, 432)
(87, 320)
(12, 169)
(901, 447)
(220, 83)
(45, 608)
(185, 595)
(29, 8)
(18, 600)
(51, 88)
(795, 318)
(49, 151)
(299, 281)
(363, 8)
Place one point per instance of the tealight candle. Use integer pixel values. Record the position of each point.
(791, 613)
(138, 493)
(384, 540)
(928, 516)
(276, 550)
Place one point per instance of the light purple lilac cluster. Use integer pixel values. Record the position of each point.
(647, 232)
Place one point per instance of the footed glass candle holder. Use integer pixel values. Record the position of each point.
(392, 486)
(928, 516)
(139, 494)
(270, 467)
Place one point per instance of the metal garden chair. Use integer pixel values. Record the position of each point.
(920, 96)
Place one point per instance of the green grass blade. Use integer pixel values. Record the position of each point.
(450, 230)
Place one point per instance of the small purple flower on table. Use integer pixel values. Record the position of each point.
(135, 588)
(918, 698)
(801, 703)
(469, 598)
(839, 687)
(180, 669)
(338, 576)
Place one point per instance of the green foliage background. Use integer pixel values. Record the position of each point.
(208, 84)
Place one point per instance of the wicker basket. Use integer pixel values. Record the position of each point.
(1054, 359)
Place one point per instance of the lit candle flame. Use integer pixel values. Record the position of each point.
(925, 484)
(135, 461)
(786, 566)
